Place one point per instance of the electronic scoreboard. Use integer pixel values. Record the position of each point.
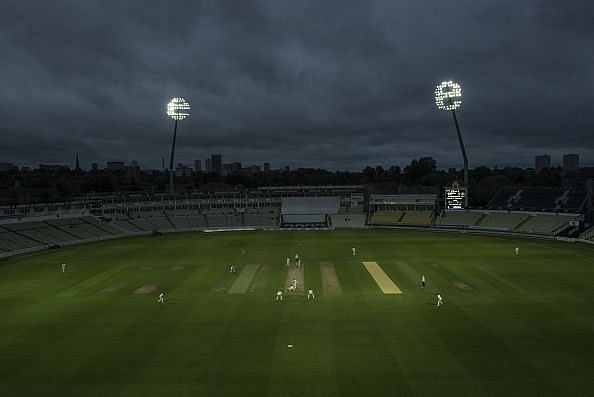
(454, 198)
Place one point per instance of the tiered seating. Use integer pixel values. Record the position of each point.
(386, 217)
(181, 212)
(196, 221)
(149, 224)
(502, 220)
(217, 220)
(180, 222)
(544, 224)
(105, 226)
(10, 241)
(459, 218)
(128, 226)
(78, 228)
(539, 199)
(416, 218)
(261, 217)
(588, 234)
(348, 220)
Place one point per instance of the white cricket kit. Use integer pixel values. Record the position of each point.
(63, 267)
(310, 293)
(517, 250)
(439, 300)
(354, 251)
(279, 295)
(161, 295)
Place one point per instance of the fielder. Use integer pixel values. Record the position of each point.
(354, 251)
(439, 300)
(288, 261)
(310, 293)
(422, 281)
(161, 297)
(296, 257)
(517, 250)
(63, 267)
(279, 295)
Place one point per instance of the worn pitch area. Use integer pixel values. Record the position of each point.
(381, 278)
(243, 281)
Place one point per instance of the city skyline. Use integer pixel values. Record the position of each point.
(335, 85)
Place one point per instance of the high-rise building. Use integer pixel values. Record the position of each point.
(197, 165)
(266, 167)
(542, 162)
(8, 167)
(207, 165)
(115, 166)
(95, 166)
(216, 162)
(571, 162)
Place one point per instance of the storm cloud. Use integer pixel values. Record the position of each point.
(335, 84)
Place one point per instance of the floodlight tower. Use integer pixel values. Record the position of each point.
(177, 109)
(447, 97)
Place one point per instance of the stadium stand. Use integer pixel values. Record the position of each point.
(386, 218)
(267, 217)
(553, 199)
(11, 241)
(127, 226)
(308, 211)
(105, 226)
(588, 234)
(197, 221)
(416, 218)
(502, 221)
(544, 224)
(459, 218)
(347, 220)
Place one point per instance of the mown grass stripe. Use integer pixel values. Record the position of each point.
(381, 278)
(243, 281)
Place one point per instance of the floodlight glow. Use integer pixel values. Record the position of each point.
(178, 108)
(445, 95)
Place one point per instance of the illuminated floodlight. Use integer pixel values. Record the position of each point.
(447, 95)
(178, 109)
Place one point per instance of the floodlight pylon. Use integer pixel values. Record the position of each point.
(447, 97)
(177, 109)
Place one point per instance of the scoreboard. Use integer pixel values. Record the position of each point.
(454, 198)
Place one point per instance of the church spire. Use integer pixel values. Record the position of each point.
(77, 168)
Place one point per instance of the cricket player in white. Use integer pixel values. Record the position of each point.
(517, 250)
(279, 295)
(161, 297)
(296, 258)
(310, 294)
(439, 300)
(63, 267)
(288, 261)
(422, 281)
(294, 283)
(354, 251)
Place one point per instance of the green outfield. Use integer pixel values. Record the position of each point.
(510, 325)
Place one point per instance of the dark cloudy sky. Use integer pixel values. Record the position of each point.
(336, 84)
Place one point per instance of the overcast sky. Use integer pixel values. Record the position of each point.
(336, 84)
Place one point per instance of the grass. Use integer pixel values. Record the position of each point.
(511, 325)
